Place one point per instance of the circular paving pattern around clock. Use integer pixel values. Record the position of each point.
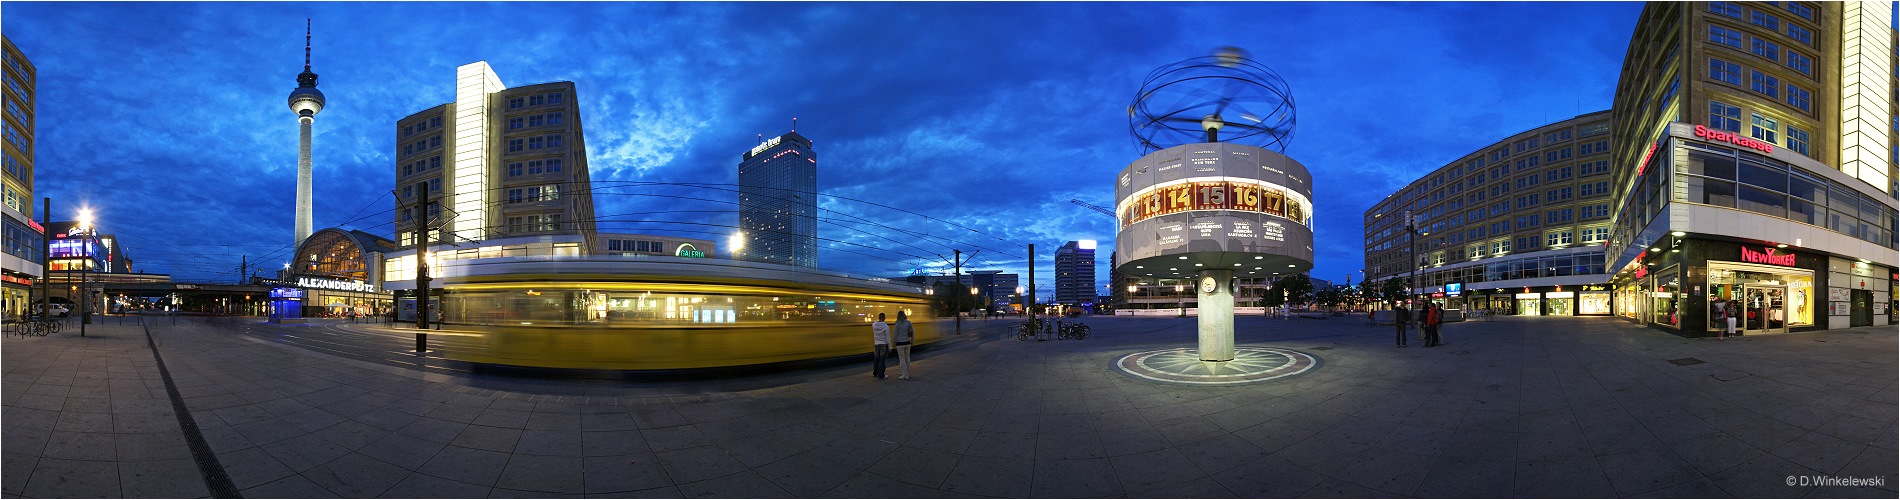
(1184, 366)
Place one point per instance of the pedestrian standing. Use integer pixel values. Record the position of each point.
(1433, 316)
(1731, 311)
(1402, 316)
(881, 344)
(901, 336)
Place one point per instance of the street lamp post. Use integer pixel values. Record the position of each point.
(85, 313)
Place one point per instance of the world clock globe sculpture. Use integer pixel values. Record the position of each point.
(306, 101)
(1214, 198)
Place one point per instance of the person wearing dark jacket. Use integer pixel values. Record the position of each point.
(1402, 317)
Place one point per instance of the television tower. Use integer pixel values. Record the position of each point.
(306, 101)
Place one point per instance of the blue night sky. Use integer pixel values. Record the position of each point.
(169, 119)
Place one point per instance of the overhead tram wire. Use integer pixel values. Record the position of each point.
(914, 233)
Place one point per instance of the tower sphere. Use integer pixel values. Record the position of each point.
(306, 101)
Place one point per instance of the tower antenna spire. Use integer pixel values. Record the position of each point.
(794, 124)
(306, 44)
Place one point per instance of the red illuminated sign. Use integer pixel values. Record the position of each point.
(13, 279)
(36, 226)
(1731, 138)
(1641, 272)
(1648, 152)
(1769, 257)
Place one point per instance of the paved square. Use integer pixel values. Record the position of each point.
(1515, 407)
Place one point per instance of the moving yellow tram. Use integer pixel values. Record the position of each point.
(662, 313)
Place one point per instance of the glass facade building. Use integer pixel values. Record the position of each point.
(1754, 165)
(778, 206)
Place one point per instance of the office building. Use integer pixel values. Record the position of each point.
(20, 261)
(655, 246)
(1753, 162)
(1515, 227)
(778, 202)
(1075, 273)
(503, 171)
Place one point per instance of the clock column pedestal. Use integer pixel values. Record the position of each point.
(1216, 314)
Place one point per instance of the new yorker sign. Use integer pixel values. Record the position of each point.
(1769, 257)
(1731, 138)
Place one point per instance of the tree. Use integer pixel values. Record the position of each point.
(1298, 289)
(1393, 290)
(1330, 297)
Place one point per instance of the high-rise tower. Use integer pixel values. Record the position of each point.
(778, 205)
(306, 101)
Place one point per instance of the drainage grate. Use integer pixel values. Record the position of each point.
(1686, 361)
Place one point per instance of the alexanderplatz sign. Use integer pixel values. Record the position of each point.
(1214, 212)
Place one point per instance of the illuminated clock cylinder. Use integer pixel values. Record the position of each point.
(1219, 205)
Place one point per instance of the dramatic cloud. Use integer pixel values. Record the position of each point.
(937, 125)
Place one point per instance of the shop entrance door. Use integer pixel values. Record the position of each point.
(1764, 309)
(1860, 308)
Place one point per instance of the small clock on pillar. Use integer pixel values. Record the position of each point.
(1208, 285)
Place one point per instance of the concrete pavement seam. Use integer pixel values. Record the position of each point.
(213, 472)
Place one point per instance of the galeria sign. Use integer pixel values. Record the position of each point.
(1731, 138)
(1769, 257)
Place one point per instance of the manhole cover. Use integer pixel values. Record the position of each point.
(1686, 361)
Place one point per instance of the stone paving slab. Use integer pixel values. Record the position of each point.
(1516, 407)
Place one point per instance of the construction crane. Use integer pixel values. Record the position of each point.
(1104, 211)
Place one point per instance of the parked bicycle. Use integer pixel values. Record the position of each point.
(1077, 331)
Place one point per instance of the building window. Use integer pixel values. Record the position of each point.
(554, 98)
(435, 122)
(1595, 234)
(407, 170)
(435, 142)
(1558, 238)
(554, 165)
(1764, 128)
(515, 145)
(514, 169)
(1725, 36)
(1798, 140)
(1800, 98)
(1595, 211)
(1764, 84)
(554, 118)
(515, 103)
(1725, 117)
(1724, 71)
(515, 123)
(554, 141)
(537, 100)
(1766, 49)
(1500, 247)
(1726, 8)
(408, 191)
(408, 131)
(1801, 63)
(515, 195)
(1801, 34)
(1804, 11)
(1765, 20)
